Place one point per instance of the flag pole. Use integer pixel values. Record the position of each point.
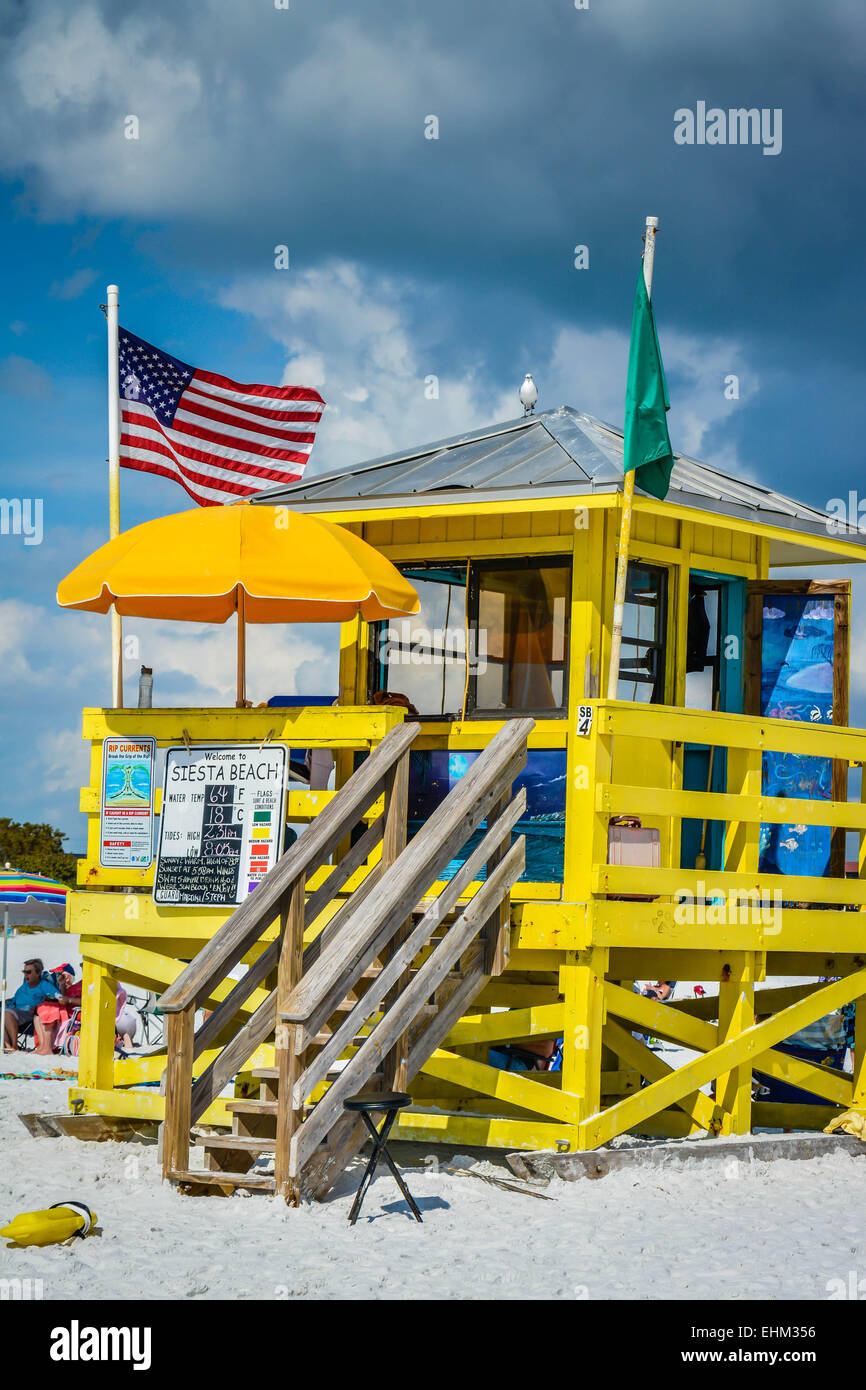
(112, 297)
(627, 500)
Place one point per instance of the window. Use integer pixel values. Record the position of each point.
(490, 638)
(703, 664)
(424, 657)
(520, 608)
(644, 626)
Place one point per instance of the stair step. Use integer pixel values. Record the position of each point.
(247, 1143)
(273, 1073)
(259, 1182)
(251, 1107)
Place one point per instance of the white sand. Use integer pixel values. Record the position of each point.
(728, 1231)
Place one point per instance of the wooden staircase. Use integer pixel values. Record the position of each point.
(373, 992)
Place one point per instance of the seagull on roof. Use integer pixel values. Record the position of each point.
(528, 394)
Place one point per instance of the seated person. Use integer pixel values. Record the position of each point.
(53, 1013)
(126, 1020)
(662, 991)
(21, 1009)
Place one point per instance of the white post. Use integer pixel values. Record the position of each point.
(627, 500)
(113, 295)
(3, 986)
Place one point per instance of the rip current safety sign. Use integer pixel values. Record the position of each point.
(126, 807)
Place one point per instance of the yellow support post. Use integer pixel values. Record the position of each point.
(582, 984)
(736, 1014)
(98, 1012)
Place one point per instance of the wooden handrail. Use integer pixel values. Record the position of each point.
(405, 954)
(373, 922)
(387, 916)
(312, 849)
(424, 983)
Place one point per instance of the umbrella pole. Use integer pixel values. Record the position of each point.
(242, 650)
(3, 987)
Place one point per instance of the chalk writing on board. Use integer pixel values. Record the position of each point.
(222, 822)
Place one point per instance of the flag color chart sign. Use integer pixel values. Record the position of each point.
(221, 828)
(126, 820)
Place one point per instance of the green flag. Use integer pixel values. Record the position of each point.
(647, 442)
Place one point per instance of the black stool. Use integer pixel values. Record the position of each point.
(365, 1104)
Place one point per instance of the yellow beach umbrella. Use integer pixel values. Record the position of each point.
(267, 564)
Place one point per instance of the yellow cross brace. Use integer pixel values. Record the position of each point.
(749, 1045)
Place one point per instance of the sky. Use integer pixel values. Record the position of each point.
(307, 124)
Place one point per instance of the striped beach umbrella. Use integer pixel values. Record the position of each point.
(20, 888)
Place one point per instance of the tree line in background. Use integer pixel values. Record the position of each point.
(38, 849)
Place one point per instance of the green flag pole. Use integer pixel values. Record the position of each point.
(627, 500)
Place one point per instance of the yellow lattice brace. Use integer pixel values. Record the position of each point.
(600, 1129)
(511, 1086)
(696, 1105)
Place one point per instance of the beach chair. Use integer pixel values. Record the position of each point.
(68, 1035)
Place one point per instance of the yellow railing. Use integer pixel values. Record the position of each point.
(349, 728)
(632, 764)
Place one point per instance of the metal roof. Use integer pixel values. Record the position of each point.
(557, 452)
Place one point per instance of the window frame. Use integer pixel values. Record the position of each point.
(526, 562)
(376, 669)
(661, 644)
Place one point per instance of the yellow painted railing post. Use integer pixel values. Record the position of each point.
(736, 1013)
(582, 984)
(590, 758)
(98, 1012)
(742, 839)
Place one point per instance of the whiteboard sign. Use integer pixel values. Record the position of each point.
(222, 822)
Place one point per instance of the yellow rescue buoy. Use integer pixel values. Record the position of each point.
(50, 1227)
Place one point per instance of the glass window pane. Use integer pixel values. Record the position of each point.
(702, 681)
(522, 637)
(424, 657)
(642, 659)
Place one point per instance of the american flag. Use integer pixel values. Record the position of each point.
(216, 437)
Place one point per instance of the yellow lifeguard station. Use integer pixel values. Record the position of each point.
(505, 851)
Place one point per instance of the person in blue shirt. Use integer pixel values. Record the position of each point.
(21, 1008)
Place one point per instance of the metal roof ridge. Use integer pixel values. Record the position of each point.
(428, 451)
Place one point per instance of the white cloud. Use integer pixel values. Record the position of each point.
(74, 284)
(21, 376)
(43, 650)
(195, 664)
(362, 339)
(53, 664)
(65, 760)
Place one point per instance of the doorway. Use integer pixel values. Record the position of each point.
(713, 681)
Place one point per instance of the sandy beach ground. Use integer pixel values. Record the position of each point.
(728, 1231)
